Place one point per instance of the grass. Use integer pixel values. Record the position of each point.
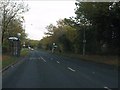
(7, 60)
(24, 52)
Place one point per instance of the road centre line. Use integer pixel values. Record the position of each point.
(43, 59)
(71, 69)
(107, 88)
(58, 62)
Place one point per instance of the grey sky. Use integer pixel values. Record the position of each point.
(42, 13)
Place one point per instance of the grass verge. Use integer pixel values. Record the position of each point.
(8, 60)
(24, 52)
(105, 59)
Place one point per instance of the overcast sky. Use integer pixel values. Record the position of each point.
(42, 13)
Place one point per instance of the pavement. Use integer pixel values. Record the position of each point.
(42, 69)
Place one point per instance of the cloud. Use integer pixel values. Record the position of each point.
(42, 13)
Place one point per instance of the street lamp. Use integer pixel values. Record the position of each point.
(18, 34)
(24, 44)
(18, 44)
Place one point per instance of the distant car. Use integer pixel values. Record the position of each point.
(29, 47)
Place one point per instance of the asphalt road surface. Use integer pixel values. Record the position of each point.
(46, 70)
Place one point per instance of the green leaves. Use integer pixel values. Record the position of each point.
(104, 18)
(11, 20)
(99, 20)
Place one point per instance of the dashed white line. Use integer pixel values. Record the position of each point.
(107, 88)
(43, 59)
(58, 62)
(71, 69)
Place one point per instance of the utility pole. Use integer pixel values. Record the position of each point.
(84, 42)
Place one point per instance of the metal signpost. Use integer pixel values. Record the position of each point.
(53, 47)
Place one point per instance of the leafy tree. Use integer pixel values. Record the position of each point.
(11, 16)
(97, 21)
(104, 18)
(10, 10)
(33, 43)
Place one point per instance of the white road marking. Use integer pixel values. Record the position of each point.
(43, 59)
(58, 62)
(107, 88)
(71, 69)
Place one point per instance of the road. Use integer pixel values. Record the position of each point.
(41, 69)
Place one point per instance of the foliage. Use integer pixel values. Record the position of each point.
(24, 52)
(33, 43)
(100, 21)
(8, 60)
(105, 20)
(12, 19)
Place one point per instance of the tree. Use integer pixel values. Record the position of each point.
(100, 21)
(10, 10)
(104, 19)
(12, 19)
(61, 35)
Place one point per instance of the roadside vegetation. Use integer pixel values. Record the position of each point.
(103, 59)
(11, 22)
(24, 52)
(95, 28)
(8, 60)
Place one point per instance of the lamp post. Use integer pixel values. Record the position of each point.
(18, 34)
(18, 44)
